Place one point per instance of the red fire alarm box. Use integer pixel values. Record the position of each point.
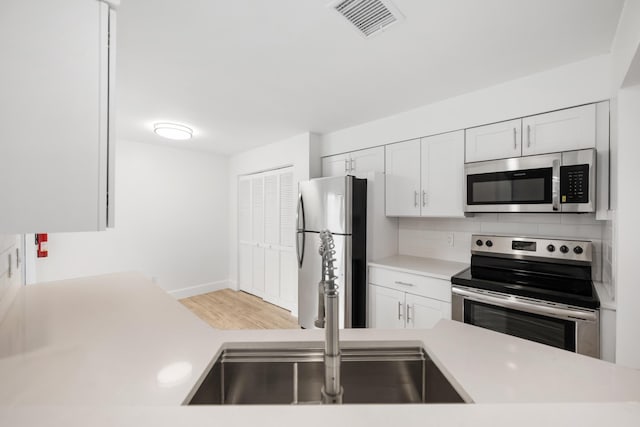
(42, 243)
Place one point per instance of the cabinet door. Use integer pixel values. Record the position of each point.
(245, 267)
(257, 209)
(271, 210)
(54, 82)
(564, 130)
(442, 175)
(289, 280)
(337, 165)
(363, 162)
(403, 178)
(244, 209)
(386, 308)
(257, 270)
(497, 141)
(272, 275)
(424, 313)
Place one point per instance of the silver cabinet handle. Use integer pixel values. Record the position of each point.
(515, 140)
(408, 313)
(9, 271)
(425, 198)
(528, 135)
(399, 310)
(415, 198)
(397, 282)
(346, 165)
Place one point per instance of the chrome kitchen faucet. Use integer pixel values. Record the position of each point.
(328, 317)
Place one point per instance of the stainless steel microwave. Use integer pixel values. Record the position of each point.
(557, 182)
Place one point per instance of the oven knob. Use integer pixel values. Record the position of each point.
(578, 250)
(551, 248)
(564, 249)
(489, 243)
(479, 242)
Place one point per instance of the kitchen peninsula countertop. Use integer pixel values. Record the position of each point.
(119, 347)
(433, 267)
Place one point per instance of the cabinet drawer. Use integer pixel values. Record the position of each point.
(419, 285)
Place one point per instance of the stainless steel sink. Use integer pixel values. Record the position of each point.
(295, 376)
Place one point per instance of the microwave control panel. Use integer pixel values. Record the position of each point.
(574, 184)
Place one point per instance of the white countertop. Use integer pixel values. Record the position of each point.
(432, 267)
(103, 341)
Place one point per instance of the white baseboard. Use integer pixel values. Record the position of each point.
(233, 285)
(199, 289)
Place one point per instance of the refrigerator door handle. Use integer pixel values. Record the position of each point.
(300, 232)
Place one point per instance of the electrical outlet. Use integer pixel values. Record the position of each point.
(450, 239)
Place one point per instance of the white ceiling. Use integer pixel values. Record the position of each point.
(244, 73)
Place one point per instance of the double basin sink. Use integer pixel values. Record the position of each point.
(370, 374)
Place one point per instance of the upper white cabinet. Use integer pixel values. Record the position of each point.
(442, 173)
(358, 163)
(56, 115)
(563, 130)
(403, 178)
(335, 165)
(424, 177)
(496, 141)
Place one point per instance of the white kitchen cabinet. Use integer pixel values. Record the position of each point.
(359, 163)
(386, 308)
(336, 165)
(563, 130)
(424, 313)
(424, 177)
(405, 300)
(402, 180)
(56, 115)
(442, 172)
(495, 141)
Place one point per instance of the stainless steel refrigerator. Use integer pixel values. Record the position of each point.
(337, 204)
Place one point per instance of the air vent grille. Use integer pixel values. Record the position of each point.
(368, 16)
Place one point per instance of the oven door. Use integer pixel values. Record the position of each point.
(522, 184)
(557, 325)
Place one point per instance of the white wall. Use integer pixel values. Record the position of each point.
(574, 84)
(170, 223)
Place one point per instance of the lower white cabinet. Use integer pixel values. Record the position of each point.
(399, 300)
(394, 309)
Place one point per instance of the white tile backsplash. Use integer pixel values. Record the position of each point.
(427, 237)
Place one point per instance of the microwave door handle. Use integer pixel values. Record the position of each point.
(555, 185)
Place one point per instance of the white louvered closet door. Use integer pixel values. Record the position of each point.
(272, 238)
(288, 261)
(266, 220)
(257, 231)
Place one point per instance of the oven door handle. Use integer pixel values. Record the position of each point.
(515, 303)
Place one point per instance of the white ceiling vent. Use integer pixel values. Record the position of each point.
(368, 16)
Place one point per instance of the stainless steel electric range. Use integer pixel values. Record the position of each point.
(533, 288)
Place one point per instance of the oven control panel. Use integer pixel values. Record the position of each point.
(524, 247)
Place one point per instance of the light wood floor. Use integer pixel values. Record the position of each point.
(229, 309)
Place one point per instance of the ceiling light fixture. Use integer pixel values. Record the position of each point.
(173, 131)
